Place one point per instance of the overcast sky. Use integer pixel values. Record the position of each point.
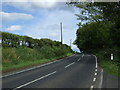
(40, 20)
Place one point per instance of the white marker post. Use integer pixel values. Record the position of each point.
(111, 56)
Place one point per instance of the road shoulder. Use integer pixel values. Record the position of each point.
(110, 81)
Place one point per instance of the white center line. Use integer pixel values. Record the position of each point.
(79, 59)
(69, 65)
(95, 74)
(35, 80)
(94, 79)
(83, 55)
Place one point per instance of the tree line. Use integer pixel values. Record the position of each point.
(101, 27)
(13, 40)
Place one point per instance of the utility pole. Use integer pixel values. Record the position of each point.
(61, 32)
(70, 43)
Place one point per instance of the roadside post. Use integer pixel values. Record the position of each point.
(111, 56)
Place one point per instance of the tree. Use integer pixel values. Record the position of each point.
(93, 36)
(13, 40)
(98, 11)
(106, 12)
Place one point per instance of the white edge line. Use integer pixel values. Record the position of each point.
(70, 56)
(83, 55)
(96, 61)
(94, 79)
(69, 64)
(33, 68)
(35, 80)
(28, 69)
(95, 74)
(96, 70)
(91, 87)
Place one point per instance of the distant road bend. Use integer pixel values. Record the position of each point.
(76, 71)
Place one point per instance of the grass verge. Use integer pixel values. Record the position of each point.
(110, 66)
(27, 64)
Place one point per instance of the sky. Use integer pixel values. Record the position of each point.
(40, 19)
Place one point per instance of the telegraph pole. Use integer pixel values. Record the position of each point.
(61, 32)
(70, 43)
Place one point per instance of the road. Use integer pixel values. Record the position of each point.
(76, 71)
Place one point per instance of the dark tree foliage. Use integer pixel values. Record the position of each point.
(93, 36)
(102, 18)
(111, 12)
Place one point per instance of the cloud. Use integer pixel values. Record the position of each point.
(30, 0)
(14, 28)
(43, 4)
(35, 5)
(15, 16)
(49, 26)
(31, 5)
(54, 34)
(75, 48)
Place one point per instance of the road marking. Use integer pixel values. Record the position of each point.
(96, 70)
(35, 80)
(28, 69)
(95, 74)
(101, 79)
(79, 59)
(83, 55)
(91, 87)
(96, 61)
(69, 65)
(69, 56)
(33, 67)
(94, 79)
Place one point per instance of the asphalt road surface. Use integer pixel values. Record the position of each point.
(76, 71)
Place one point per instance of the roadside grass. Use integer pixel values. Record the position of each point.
(20, 58)
(0, 58)
(11, 66)
(110, 66)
